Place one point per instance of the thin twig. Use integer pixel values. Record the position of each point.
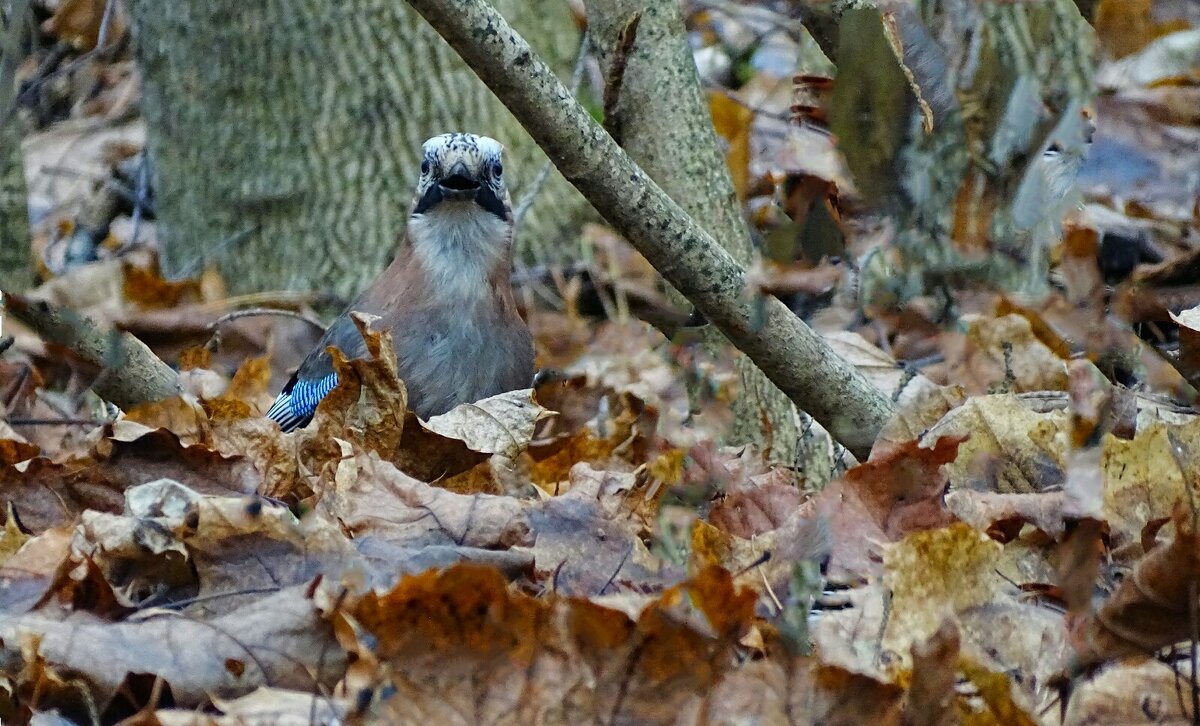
(268, 590)
(541, 273)
(101, 49)
(105, 22)
(756, 110)
(193, 265)
(256, 312)
(544, 173)
(139, 199)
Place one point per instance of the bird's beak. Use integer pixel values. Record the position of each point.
(458, 183)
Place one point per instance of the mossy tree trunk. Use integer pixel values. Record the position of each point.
(285, 137)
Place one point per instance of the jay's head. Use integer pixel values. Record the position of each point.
(461, 173)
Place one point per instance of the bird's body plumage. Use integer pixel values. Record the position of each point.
(446, 298)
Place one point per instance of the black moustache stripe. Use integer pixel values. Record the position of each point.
(431, 198)
(485, 198)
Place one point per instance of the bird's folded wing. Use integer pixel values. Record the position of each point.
(295, 406)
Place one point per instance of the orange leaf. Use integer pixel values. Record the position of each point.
(732, 121)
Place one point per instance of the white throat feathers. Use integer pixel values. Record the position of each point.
(459, 245)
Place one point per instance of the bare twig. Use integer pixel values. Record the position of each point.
(105, 23)
(139, 203)
(787, 350)
(192, 266)
(544, 173)
(132, 374)
(101, 49)
(257, 312)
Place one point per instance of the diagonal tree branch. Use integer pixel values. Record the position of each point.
(130, 372)
(788, 351)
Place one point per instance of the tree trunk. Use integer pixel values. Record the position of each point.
(285, 137)
(16, 263)
(663, 122)
(943, 109)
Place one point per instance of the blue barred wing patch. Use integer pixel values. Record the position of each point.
(295, 407)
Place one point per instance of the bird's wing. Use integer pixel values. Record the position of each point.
(314, 379)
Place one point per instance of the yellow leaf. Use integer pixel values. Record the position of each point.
(732, 121)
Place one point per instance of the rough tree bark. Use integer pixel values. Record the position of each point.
(16, 264)
(788, 351)
(666, 127)
(285, 137)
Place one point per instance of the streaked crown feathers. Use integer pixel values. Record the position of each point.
(482, 155)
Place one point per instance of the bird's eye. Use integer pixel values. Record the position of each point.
(497, 169)
(425, 166)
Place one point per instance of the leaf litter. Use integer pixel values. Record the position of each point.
(1020, 547)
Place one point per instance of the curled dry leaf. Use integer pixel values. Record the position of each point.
(232, 544)
(453, 450)
(1143, 479)
(1003, 515)
(46, 494)
(140, 559)
(1134, 691)
(747, 511)
(368, 405)
(1004, 351)
(273, 454)
(882, 370)
(502, 424)
(280, 639)
(30, 574)
(804, 692)
(1148, 609)
(594, 425)
(371, 498)
(765, 563)
(1010, 447)
(931, 696)
(915, 415)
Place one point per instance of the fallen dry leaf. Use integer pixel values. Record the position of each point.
(280, 639)
(463, 639)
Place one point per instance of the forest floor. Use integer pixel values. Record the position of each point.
(1020, 547)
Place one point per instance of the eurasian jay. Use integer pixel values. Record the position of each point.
(446, 298)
